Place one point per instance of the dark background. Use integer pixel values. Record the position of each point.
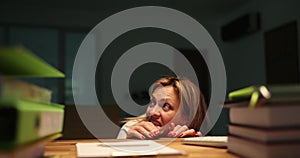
(258, 40)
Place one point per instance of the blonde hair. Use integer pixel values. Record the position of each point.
(192, 100)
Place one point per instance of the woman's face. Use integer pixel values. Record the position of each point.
(163, 107)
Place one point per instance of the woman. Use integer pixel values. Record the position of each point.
(176, 109)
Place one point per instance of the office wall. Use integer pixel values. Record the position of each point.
(239, 55)
(1, 35)
(69, 14)
(72, 43)
(244, 57)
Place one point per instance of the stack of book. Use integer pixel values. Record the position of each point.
(265, 121)
(28, 118)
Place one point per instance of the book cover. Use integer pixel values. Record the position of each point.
(30, 150)
(24, 121)
(249, 148)
(280, 93)
(20, 62)
(17, 89)
(267, 116)
(266, 135)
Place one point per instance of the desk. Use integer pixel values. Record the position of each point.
(67, 149)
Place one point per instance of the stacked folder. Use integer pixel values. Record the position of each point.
(28, 118)
(265, 121)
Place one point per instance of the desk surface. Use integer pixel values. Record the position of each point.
(67, 149)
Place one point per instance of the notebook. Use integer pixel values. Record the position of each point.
(211, 141)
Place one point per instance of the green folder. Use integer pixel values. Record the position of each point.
(24, 121)
(20, 62)
(276, 93)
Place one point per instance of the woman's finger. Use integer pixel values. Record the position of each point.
(147, 129)
(190, 132)
(142, 130)
(149, 126)
(176, 128)
(136, 134)
(171, 126)
(179, 130)
(151, 129)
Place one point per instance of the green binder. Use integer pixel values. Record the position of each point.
(276, 93)
(20, 62)
(24, 121)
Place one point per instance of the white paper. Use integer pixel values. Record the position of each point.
(128, 148)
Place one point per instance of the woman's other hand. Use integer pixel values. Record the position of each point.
(182, 131)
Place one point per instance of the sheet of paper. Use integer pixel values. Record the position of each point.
(128, 148)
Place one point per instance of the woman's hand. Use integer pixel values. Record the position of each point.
(182, 131)
(143, 130)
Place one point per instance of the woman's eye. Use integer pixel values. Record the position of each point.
(166, 107)
(152, 103)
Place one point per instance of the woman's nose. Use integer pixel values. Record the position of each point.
(155, 111)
